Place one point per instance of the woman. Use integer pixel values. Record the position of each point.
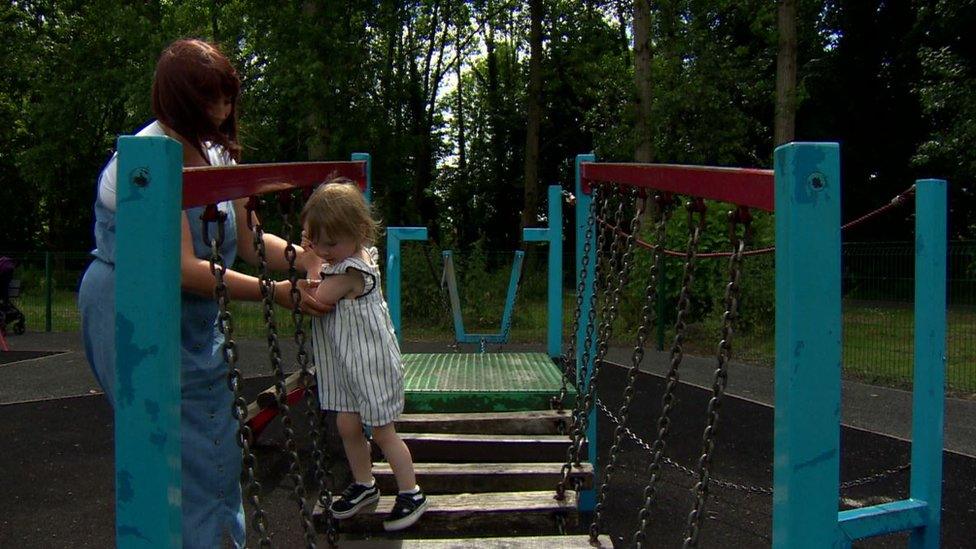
(194, 97)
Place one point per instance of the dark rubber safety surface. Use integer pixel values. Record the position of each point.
(57, 474)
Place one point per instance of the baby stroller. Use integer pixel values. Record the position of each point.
(10, 316)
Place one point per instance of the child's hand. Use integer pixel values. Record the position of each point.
(309, 304)
(307, 258)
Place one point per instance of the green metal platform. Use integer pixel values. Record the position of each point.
(481, 382)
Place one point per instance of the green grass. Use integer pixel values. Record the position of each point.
(878, 340)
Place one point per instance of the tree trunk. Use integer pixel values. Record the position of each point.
(644, 144)
(530, 203)
(784, 127)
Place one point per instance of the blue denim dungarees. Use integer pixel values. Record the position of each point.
(212, 506)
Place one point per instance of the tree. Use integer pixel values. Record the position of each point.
(784, 125)
(530, 204)
(643, 126)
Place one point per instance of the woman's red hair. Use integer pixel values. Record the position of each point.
(191, 76)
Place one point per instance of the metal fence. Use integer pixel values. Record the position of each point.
(878, 288)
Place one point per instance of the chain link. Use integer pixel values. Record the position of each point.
(598, 195)
(648, 316)
(313, 412)
(619, 263)
(225, 323)
(267, 286)
(658, 448)
(728, 485)
(569, 358)
(721, 377)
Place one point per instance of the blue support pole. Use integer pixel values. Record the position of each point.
(587, 500)
(394, 236)
(554, 236)
(147, 344)
(365, 157)
(928, 398)
(806, 468)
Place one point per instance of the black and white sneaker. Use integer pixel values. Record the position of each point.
(406, 510)
(355, 497)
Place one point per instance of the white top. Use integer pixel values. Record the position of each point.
(356, 352)
(216, 155)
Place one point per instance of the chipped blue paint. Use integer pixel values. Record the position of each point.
(147, 343)
(587, 500)
(806, 427)
(928, 400)
(365, 157)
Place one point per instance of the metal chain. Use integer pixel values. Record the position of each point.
(267, 286)
(728, 485)
(608, 315)
(648, 316)
(695, 230)
(569, 358)
(313, 411)
(721, 377)
(602, 235)
(245, 438)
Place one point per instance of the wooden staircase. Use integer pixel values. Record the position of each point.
(490, 481)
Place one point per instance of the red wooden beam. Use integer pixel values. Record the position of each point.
(740, 186)
(208, 185)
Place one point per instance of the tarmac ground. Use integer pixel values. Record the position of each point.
(58, 460)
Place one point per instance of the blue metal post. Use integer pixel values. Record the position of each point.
(930, 356)
(369, 173)
(554, 236)
(806, 468)
(147, 343)
(588, 498)
(395, 235)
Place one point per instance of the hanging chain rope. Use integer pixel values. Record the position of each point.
(752, 489)
(608, 315)
(267, 286)
(569, 358)
(696, 208)
(319, 464)
(742, 217)
(648, 317)
(602, 196)
(225, 323)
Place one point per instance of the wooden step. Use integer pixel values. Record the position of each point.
(493, 513)
(440, 478)
(542, 422)
(534, 542)
(441, 447)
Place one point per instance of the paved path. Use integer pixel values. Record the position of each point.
(878, 409)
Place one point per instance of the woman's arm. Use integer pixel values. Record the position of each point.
(197, 279)
(274, 245)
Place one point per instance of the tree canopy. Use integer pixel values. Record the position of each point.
(439, 91)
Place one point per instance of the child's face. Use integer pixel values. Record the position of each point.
(332, 249)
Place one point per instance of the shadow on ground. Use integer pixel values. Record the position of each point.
(58, 474)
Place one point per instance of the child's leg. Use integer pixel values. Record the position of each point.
(357, 447)
(398, 455)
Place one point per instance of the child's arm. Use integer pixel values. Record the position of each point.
(335, 287)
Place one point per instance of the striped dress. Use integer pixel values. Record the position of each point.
(355, 350)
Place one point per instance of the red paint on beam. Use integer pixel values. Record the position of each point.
(208, 185)
(740, 186)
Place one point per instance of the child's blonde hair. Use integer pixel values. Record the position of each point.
(338, 209)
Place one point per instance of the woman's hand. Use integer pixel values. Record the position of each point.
(306, 289)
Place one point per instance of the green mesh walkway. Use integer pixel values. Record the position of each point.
(481, 382)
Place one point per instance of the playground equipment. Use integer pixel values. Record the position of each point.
(807, 191)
